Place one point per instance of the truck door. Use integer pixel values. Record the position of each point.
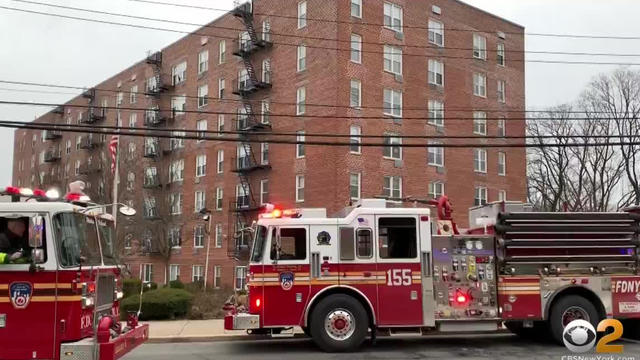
(286, 290)
(398, 258)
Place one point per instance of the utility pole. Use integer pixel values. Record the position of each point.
(206, 216)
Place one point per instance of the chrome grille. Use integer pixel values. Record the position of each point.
(105, 290)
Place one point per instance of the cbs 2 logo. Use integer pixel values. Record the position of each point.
(399, 277)
(580, 336)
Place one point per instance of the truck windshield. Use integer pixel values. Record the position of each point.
(258, 244)
(107, 230)
(77, 239)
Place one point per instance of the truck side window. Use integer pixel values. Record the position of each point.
(397, 238)
(14, 240)
(347, 246)
(293, 244)
(365, 245)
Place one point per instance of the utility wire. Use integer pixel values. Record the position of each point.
(428, 47)
(575, 36)
(308, 46)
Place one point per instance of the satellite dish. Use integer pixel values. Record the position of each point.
(127, 211)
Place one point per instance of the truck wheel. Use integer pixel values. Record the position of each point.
(567, 309)
(339, 323)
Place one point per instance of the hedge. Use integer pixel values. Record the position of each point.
(160, 304)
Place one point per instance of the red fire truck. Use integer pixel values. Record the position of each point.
(60, 284)
(377, 269)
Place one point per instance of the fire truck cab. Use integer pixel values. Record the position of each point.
(376, 269)
(60, 283)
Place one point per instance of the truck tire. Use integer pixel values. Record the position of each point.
(567, 309)
(339, 323)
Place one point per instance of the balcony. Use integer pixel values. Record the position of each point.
(247, 164)
(155, 117)
(246, 86)
(250, 123)
(52, 156)
(93, 115)
(244, 204)
(154, 58)
(157, 85)
(88, 169)
(151, 151)
(89, 94)
(89, 142)
(151, 182)
(242, 9)
(58, 110)
(245, 47)
(151, 213)
(52, 135)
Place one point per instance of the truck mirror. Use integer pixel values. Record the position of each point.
(38, 256)
(36, 230)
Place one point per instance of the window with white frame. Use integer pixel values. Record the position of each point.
(222, 51)
(176, 171)
(302, 58)
(480, 122)
(301, 98)
(302, 14)
(436, 72)
(392, 103)
(299, 188)
(265, 111)
(218, 235)
(393, 59)
(220, 164)
(242, 197)
(175, 237)
(198, 236)
(392, 148)
(436, 189)
(502, 164)
(133, 95)
(480, 197)
(436, 113)
(264, 191)
(203, 61)
(175, 201)
(392, 187)
(354, 186)
(479, 84)
(264, 153)
(266, 30)
(200, 201)
(201, 165)
(479, 47)
(502, 195)
(68, 150)
(502, 91)
(179, 104)
(266, 71)
(201, 127)
(501, 54)
(219, 198)
(502, 127)
(436, 32)
(131, 181)
(203, 95)
(217, 276)
(355, 95)
(221, 86)
(435, 154)
(356, 48)
(300, 150)
(241, 274)
(480, 160)
(179, 73)
(355, 131)
(393, 17)
(220, 124)
(197, 273)
(356, 8)
(147, 273)
(174, 272)
(133, 118)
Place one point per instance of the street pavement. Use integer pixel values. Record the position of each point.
(503, 346)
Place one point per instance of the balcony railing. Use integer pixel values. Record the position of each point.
(151, 182)
(247, 164)
(151, 151)
(87, 169)
(154, 58)
(245, 47)
(155, 117)
(93, 115)
(251, 123)
(52, 156)
(89, 142)
(157, 85)
(246, 86)
(52, 134)
(151, 213)
(89, 94)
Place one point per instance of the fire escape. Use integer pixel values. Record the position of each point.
(248, 124)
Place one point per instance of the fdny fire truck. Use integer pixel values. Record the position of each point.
(60, 283)
(377, 269)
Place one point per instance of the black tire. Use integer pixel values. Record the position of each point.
(333, 338)
(562, 305)
(306, 331)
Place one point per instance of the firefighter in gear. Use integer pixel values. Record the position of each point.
(12, 242)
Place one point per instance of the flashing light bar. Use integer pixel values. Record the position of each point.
(37, 194)
(271, 212)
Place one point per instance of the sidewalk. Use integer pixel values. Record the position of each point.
(193, 331)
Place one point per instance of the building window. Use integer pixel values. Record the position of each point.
(197, 273)
(479, 85)
(356, 48)
(436, 33)
(356, 8)
(219, 198)
(222, 52)
(436, 72)
(220, 124)
(218, 236)
(435, 155)
(68, 147)
(203, 62)
(220, 166)
(481, 196)
(392, 103)
(393, 59)
(147, 273)
(302, 58)
(392, 149)
(242, 197)
(264, 153)
(133, 118)
(479, 47)
(221, 86)
(300, 151)
(201, 165)
(174, 272)
(201, 127)
(179, 73)
(301, 98)
(265, 106)
(264, 191)
(176, 171)
(302, 14)
(299, 188)
(502, 91)
(175, 237)
(502, 127)
(501, 54)
(393, 17)
(217, 276)
(480, 160)
(175, 201)
(436, 113)
(392, 187)
(355, 98)
(241, 275)
(355, 132)
(179, 104)
(203, 95)
(354, 186)
(131, 181)
(266, 71)
(502, 195)
(480, 122)
(436, 189)
(133, 95)
(198, 236)
(502, 164)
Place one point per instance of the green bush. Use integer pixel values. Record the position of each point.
(176, 284)
(159, 304)
(131, 287)
(194, 287)
(208, 304)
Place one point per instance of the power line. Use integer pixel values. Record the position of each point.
(576, 36)
(308, 46)
(429, 47)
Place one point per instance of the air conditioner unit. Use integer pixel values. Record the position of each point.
(436, 10)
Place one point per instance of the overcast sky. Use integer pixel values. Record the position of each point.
(37, 48)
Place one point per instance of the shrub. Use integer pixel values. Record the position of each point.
(159, 304)
(208, 304)
(194, 287)
(131, 287)
(176, 284)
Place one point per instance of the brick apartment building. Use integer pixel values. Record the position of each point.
(433, 62)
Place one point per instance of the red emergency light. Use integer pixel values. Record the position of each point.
(461, 298)
(272, 212)
(24, 192)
